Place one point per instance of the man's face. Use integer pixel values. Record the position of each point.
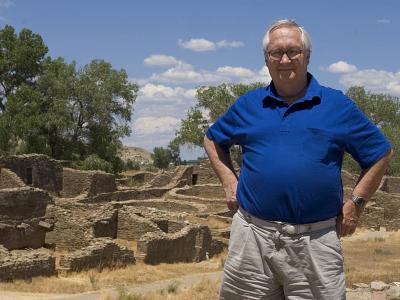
(286, 70)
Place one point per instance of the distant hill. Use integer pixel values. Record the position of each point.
(135, 154)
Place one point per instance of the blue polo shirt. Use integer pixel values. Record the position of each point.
(292, 154)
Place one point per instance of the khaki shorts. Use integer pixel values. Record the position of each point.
(266, 263)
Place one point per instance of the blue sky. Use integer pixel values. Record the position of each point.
(171, 47)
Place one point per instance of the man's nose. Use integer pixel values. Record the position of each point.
(285, 58)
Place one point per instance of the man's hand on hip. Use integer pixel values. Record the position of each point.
(348, 221)
(230, 193)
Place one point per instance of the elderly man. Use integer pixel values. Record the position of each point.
(284, 237)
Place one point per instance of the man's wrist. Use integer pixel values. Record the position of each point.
(359, 202)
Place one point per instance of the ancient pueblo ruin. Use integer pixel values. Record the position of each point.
(55, 219)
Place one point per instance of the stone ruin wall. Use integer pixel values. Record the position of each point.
(8, 179)
(180, 176)
(36, 170)
(25, 264)
(90, 183)
(102, 253)
(165, 205)
(192, 243)
(22, 217)
(76, 225)
(132, 226)
(209, 191)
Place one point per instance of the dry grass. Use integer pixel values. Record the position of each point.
(373, 259)
(205, 290)
(93, 280)
(365, 261)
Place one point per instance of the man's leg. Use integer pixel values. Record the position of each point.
(246, 275)
(311, 266)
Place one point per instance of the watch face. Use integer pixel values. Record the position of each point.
(359, 201)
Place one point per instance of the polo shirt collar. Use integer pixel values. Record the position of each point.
(314, 90)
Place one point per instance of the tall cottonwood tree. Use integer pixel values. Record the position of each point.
(55, 108)
(21, 58)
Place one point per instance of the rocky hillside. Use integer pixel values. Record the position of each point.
(135, 154)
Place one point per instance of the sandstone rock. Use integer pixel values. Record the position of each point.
(379, 286)
(360, 286)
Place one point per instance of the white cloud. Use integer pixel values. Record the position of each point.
(156, 125)
(161, 60)
(158, 93)
(374, 80)
(235, 72)
(202, 45)
(152, 90)
(186, 74)
(383, 21)
(341, 67)
(6, 3)
(198, 45)
(229, 44)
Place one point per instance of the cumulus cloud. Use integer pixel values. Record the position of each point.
(161, 60)
(6, 3)
(383, 21)
(341, 67)
(153, 90)
(198, 45)
(229, 44)
(158, 93)
(186, 74)
(374, 80)
(153, 125)
(202, 45)
(234, 71)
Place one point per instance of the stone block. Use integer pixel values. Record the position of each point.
(23, 264)
(103, 253)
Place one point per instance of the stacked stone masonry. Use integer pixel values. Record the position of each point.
(89, 183)
(76, 225)
(192, 243)
(36, 170)
(103, 253)
(8, 179)
(22, 217)
(25, 264)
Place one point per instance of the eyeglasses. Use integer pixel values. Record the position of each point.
(292, 53)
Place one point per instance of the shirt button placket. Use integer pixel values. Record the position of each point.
(284, 122)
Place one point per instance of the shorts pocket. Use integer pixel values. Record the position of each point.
(239, 234)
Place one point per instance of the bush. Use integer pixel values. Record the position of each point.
(93, 162)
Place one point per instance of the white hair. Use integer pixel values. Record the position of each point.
(305, 37)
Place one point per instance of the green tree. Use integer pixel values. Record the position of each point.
(384, 111)
(161, 157)
(212, 101)
(173, 147)
(21, 58)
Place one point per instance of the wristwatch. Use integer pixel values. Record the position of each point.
(360, 202)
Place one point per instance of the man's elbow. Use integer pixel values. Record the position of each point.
(389, 155)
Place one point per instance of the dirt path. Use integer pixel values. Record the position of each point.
(185, 281)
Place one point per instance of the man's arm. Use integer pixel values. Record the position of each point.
(222, 164)
(367, 185)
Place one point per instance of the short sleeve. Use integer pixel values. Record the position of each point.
(364, 141)
(224, 130)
